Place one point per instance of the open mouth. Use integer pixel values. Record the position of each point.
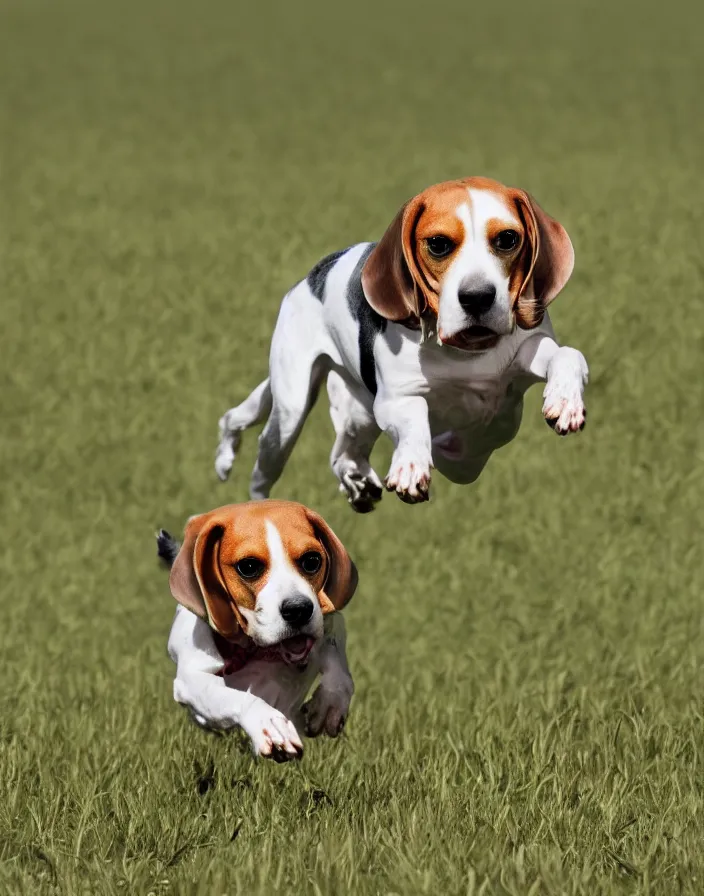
(473, 339)
(295, 650)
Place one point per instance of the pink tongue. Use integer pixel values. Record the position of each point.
(298, 647)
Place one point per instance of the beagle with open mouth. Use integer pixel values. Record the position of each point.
(260, 586)
(432, 335)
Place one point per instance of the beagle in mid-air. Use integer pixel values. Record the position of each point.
(432, 335)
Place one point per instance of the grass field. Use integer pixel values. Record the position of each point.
(528, 652)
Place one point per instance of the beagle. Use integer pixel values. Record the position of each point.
(432, 335)
(260, 586)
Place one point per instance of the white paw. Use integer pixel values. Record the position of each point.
(565, 413)
(224, 458)
(328, 708)
(409, 477)
(227, 449)
(563, 407)
(273, 736)
(363, 492)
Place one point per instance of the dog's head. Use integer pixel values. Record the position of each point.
(269, 569)
(478, 256)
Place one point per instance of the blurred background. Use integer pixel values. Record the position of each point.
(527, 651)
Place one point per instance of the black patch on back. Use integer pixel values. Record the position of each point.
(319, 274)
(370, 323)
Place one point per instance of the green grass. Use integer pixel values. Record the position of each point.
(528, 652)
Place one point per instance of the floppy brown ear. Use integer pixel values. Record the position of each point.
(196, 578)
(392, 280)
(341, 581)
(549, 263)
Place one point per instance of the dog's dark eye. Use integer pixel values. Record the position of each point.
(439, 246)
(249, 567)
(310, 562)
(506, 240)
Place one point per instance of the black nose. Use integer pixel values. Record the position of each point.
(477, 301)
(297, 610)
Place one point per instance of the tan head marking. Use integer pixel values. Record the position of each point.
(225, 561)
(460, 233)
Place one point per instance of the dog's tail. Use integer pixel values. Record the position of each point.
(233, 423)
(167, 548)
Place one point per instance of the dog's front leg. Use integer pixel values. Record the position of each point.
(405, 420)
(214, 705)
(565, 373)
(328, 708)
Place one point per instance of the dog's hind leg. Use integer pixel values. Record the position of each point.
(253, 410)
(295, 380)
(356, 431)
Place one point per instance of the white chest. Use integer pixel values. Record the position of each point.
(462, 391)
